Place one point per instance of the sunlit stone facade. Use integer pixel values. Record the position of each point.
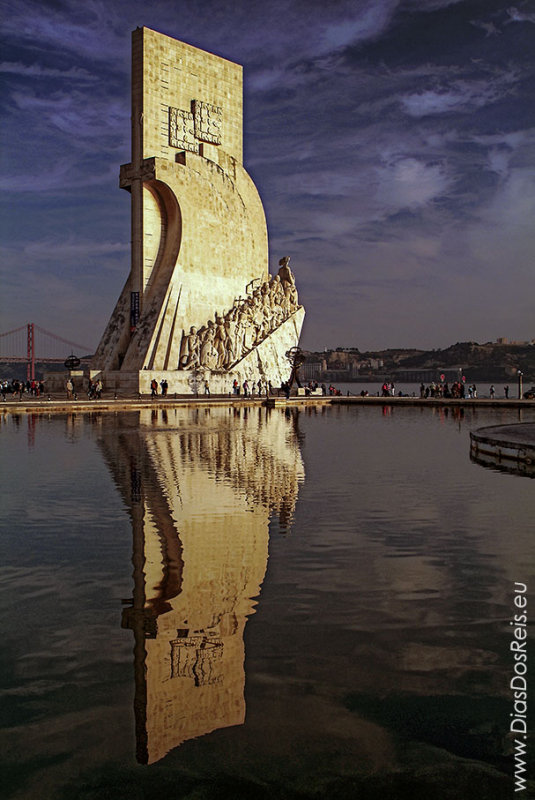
(199, 236)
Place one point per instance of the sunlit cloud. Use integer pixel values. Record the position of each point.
(38, 71)
(461, 96)
(410, 183)
(365, 23)
(517, 15)
(430, 5)
(47, 249)
(76, 114)
(392, 143)
(72, 27)
(499, 159)
(489, 27)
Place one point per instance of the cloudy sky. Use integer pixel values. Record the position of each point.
(392, 142)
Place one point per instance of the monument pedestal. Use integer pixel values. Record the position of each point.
(266, 362)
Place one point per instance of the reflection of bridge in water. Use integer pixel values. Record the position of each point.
(201, 488)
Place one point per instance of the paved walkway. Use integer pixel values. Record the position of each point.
(60, 405)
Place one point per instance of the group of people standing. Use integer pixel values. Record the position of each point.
(457, 389)
(259, 387)
(34, 388)
(245, 389)
(94, 389)
(388, 390)
(154, 387)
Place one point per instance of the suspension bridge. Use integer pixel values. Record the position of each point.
(31, 343)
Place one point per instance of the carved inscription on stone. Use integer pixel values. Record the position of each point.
(182, 130)
(201, 124)
(207, 120)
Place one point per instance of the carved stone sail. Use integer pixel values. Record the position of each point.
(198, 298)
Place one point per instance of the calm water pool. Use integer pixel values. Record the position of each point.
(214, 604)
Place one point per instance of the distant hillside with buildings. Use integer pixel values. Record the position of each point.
(492, 361)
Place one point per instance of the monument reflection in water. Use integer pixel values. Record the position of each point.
(201, 491)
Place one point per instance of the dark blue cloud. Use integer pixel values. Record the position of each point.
(392, 142)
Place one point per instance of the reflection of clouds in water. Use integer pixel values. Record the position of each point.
(59, 590)
(406, 554)
(428, 658)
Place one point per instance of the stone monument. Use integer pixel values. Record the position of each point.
(199, 306)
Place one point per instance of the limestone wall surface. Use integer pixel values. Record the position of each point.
(172, 75)
(199, 235)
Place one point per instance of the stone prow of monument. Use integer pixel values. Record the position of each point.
(199, 304)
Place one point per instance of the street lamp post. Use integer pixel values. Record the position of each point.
(520, 374)
(296, 357)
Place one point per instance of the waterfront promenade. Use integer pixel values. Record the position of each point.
(59, 405)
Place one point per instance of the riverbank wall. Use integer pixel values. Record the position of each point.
(56, 405)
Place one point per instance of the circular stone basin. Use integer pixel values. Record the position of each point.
(510, 448)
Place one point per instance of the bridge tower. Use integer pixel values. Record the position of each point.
(30, 369)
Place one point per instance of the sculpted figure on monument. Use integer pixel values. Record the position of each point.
(267, 310)
(250, 320)
(230, 330)
(257, 316)
(220, 337)
(190, 349)
(277, 296)
(288, 283)
(242, 326)
(208, 356)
